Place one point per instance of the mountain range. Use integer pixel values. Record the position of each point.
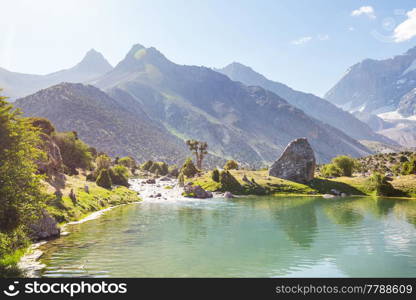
(146, 106)
(382, 93)
(16, 85)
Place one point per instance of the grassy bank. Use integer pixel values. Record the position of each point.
(263, 184)
(65, 209)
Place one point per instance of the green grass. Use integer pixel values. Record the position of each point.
(266, 185)
(8, 264)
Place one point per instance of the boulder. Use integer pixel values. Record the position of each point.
(335, 192)
(297, 163)
(46, 227)
(165, 178)
(228, 195)
(198, 191)
(151, 181)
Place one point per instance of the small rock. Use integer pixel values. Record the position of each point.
(165, 178)
(326, 196)
(344, 195)
(335, 192)
(158, 195)
(151, 181)
(87, 189)
(198, 191)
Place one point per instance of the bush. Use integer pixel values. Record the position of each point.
(173, 171)
(75, 153)
(103, 161)
(147, 165)
(345, 164)
(215, 175)
(127, 161)
(229, 183)
(231, 165)
(119, 175)
(44, 124)
(409, 167)
(380, 185)
(188, 169)
(330, 170)
(104, 179)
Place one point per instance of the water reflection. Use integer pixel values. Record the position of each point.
(244, 237)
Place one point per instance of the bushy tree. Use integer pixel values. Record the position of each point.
(231, 165)
(75, 153)
(147, 165)
(21, 198)
(345, 164)
(119, 175)
(127, 161)
(215, 175)
(103, 161)
(199, 149)
(380, 185)
(330, 170)
(104, 179)
(188, 169)
(43, 124)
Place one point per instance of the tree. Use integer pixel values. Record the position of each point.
(199, 149)
(119, 175)
(21, 197)
(75, 153)
(127, 161)
(188, 169)
(330, 170)
(104, 179)
(231, 165)
(380, 185)
(345, 164)
(147, 165)
(103, 161)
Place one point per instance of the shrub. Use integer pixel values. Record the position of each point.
(215, 175)
(188, 169)
(379, 184)
(104, 179)
(103, 161)
(173, 171)
(345, 164)
(119, 175)
(147, 165)
(229, 182)
(44, 124)
(330, 170)
(127, 161)
(231, 165)
(75, 153)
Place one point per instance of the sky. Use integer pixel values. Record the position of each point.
(306, 44)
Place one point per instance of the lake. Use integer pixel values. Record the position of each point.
(242, 237)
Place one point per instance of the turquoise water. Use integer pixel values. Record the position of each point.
(245, 237)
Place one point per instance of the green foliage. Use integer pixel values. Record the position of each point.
(21, 198)
(215, 175)
(229, 182)
(380, 185)
(103, 161)
(409, 167)
(104, 179)
(330, 170)
(345, 164)
(75, 153)
(159, 168)
(43, 124)
(231, 165)
(127, 161)
(173, 171)
(119, 175)
(147, 165)
(188, 169)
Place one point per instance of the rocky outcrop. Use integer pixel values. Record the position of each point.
(53, 164)
(297, 163)
(46, 227)
(196, 192)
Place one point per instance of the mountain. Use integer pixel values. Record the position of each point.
(17, 85)
(312, 105)
(101, 122)
(376, 86)
(246, 123)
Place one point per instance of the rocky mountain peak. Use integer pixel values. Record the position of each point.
(94, 61)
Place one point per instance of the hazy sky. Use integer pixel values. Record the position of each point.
(307, 44)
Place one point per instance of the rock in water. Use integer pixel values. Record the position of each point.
(297, 163)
